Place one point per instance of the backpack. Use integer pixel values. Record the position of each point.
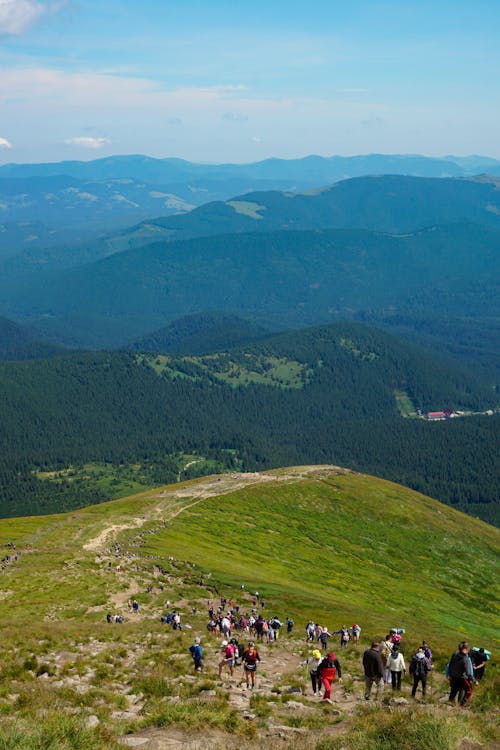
(420, 670)
(385, 651)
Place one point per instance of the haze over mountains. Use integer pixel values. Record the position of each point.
(417, 255)
(395, 249)
(112, 191)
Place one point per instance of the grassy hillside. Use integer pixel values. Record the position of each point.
(316, 542)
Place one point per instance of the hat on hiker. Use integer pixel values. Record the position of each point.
(331, 656)
(196, 640)
(317, 653)
(224, 643)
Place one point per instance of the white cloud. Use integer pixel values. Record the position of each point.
(17, 15)
(87, 141)
(4, 143)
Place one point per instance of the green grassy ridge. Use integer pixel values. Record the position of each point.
(350, 544)
(335, 545)
(315, 541)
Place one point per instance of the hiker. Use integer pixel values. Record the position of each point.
(328, 669)
(289, 625)
(356, 631)
(313, 664)
(374, 670)
(419, 668)
(385, 649)
(238, 651)
(310, 631)
(197, 654)
(176, 621)
(479, 657)
(344, 636)
(109, 617)
(225, 627)
(228, 658)
(323, 638)
(276, 625)
(427, 652)
(396, 664)
(250, 659)
(396, 634)
(459, 672)
(135, 606)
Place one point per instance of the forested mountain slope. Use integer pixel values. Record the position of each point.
(332, 394)
(18, 342)
(292, 278)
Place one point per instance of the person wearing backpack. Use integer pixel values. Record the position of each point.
(385, 649)
(228, 651)
(419, 668)
(396, 665)
(344, 636)
(460, 673)
(323, 638)
(197, 654)
(479, 658)
(328, 669)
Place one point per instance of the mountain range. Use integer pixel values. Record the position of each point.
(113, 192)
(379, 246)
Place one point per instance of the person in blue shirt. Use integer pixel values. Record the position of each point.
(197, 654)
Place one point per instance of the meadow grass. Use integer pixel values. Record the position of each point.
(333, 546)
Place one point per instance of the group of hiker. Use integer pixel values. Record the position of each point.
(232, 654)
(321, 634)
(383, 663)
(255, 624)
(464, 669)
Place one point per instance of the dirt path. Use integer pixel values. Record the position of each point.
(202, 489)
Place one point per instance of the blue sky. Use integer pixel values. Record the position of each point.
(216, 81)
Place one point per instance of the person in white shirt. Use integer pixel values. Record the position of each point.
(396, 665)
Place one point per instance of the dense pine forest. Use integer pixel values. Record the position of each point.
(324, 395)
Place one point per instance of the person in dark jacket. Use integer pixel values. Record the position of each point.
(461, 675)
(374, 670)
(479, 659)
(328, 669)
(419, 669)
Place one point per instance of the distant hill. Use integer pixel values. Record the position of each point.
(333, 394)
(393, 204)
(18, 343)
(116, 191)
(387, 203)
(287, 278)
(313, 169)
(200, 334)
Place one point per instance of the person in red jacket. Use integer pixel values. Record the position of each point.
(328, 669)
